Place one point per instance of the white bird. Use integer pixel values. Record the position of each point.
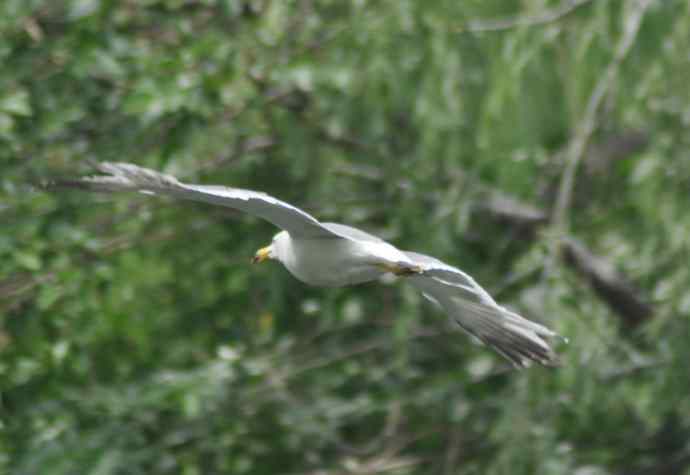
(334, 255)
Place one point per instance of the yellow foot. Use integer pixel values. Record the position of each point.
(402, 269)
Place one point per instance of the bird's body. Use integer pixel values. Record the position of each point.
(335, 255)
(336, 261)
(321, 262)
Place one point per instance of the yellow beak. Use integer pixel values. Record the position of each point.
(261, 255)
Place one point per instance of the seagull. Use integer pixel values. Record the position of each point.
(335, 255)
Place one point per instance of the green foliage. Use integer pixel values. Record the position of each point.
(136, 338)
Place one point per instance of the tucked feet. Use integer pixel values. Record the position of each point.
(402, 268)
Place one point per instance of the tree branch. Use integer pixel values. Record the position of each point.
(610, 285)
(501, 24)
(585, 129)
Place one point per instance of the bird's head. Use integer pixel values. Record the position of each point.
(263, 254)
(272, 251)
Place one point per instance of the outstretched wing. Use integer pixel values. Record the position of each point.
(128, 177)
(516, 338)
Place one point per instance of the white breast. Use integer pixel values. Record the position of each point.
(337, 262)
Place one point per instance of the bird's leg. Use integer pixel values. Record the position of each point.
(401, 268)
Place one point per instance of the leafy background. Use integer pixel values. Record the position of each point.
(540, 145)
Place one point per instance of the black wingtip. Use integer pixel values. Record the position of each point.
(523, 353)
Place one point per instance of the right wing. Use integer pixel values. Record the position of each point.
(519, 340)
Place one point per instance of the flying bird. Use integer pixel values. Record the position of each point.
(335, 255)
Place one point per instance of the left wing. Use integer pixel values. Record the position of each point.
(519, 340)
(129, 177)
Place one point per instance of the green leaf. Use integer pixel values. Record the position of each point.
(16, 103)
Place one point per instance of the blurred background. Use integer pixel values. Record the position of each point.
(539, 145)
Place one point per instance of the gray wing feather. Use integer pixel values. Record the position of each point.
(129, 177)
(351, 233)
(519, 340)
